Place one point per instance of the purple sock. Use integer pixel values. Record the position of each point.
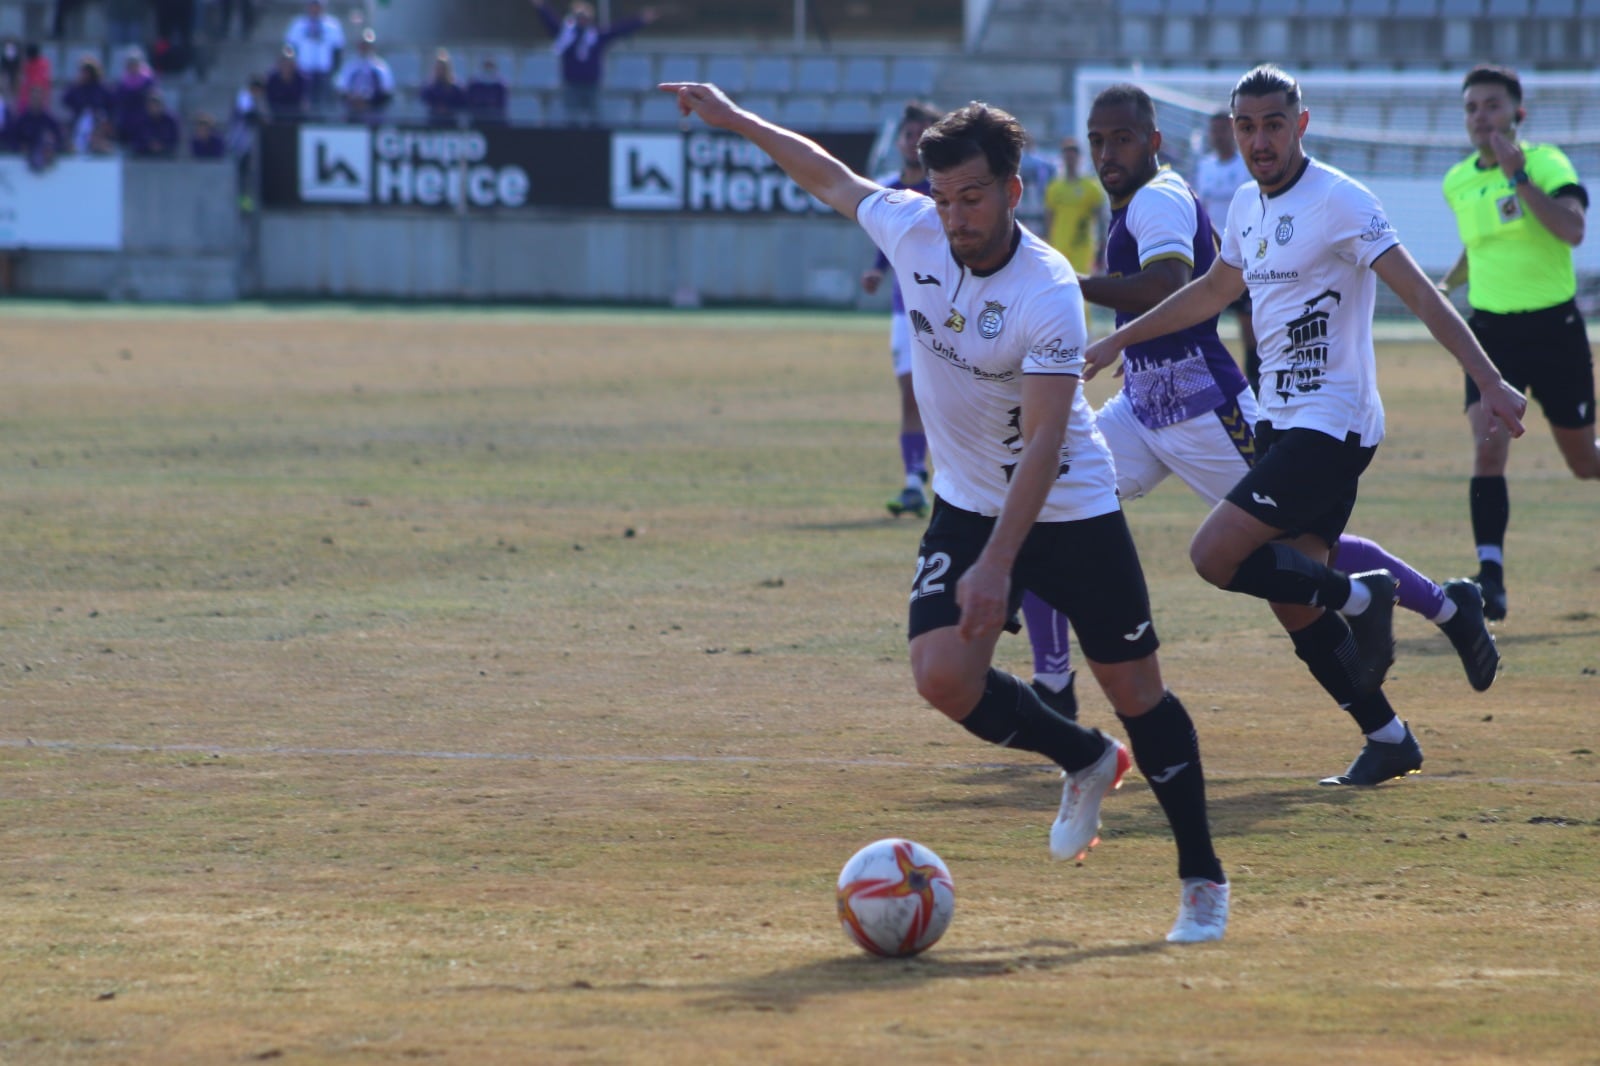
(1047, 631)
(914, 453)
(1417, 592)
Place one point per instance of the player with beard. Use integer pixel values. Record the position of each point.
(1024, 493)
(1309, 242)
(1184, 407)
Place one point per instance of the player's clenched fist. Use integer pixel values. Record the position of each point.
(705, 100)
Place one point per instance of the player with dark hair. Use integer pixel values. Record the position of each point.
(1520, 210)
(1184, 407)
(1309, 241)
(1025, 491)
(917, 117)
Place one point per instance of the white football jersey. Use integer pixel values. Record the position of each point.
(1306, 252)
(973, 337)
(1215, 182)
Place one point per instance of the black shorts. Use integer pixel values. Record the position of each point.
(1303, 481)
(1545, 354)
(1088, 570)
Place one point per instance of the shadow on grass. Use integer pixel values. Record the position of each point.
(881, 522)
(791, 987)
(1236, 809)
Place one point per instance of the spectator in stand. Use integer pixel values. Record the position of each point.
(486, 94)
(286, 89)
(247, 18)
(318, 43)
(365, 83)
(130, 94)
(88, 94)
(34, 74)
(443, 96)
(58, 17)
(102, 138)
(581, 44)
(125, 21)
(173, 50)
(249, 110)
(205, 142)
(157, 136)
(35, 132)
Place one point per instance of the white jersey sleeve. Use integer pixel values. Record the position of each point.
(888, 215)
(1358, 230)
(1161, 219)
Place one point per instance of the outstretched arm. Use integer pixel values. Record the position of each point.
(1401, 273)
(1197, 301)
(813, 169)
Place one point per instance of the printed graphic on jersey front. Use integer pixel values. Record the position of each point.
(1307, 350)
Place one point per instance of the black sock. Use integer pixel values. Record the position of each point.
(1278, 573)
(1168, 755)
(1328, 648)
(1012, 715)
(1491, 512)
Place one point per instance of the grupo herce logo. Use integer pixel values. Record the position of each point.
(335, 164)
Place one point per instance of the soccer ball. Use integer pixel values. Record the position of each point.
(895, 897)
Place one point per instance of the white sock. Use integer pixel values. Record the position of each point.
(913, 481)
(1393, 733)
(1053, 682)
(1491, 553)
(1447, 612)
(1360, 599)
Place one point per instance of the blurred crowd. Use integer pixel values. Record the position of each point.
(317, 72)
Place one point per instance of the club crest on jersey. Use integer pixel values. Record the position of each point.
(1285, 231)
(992, 320)
(957, 321)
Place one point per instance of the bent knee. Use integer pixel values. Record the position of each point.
(950, 692)
(1212, 566)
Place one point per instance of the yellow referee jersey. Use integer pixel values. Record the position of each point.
(1513, 262)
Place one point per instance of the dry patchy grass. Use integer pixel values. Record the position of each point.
(510, 688)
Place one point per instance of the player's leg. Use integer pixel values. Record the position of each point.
(912, 498)
(1139, 470)
(1109, 607)
(1456, 607)
(957, 677)
(1489, 500)
(1049, 634)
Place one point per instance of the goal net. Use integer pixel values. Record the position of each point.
(1398, 132)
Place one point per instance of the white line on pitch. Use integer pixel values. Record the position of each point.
(535, 757)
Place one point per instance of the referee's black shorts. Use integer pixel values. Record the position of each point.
(1544, 353)
(1088, 570)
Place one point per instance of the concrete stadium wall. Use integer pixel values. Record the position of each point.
(605, 257)
(183, 238)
